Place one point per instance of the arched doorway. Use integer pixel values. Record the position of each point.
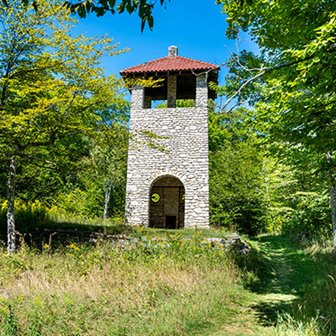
(166, 199)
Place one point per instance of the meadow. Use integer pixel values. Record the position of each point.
(167, 283)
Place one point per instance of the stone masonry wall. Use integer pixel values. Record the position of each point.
(179, 148)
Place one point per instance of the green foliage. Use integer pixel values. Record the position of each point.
(310, 219)
(185, 103)
(297, 194)
(108, 161)
(53, 89)
(101, 7)
(287, 325)
(10, 323)
(82, 203)
(237, 197)
(56, 104)
(291, 86)
(27, 213)
(280, 185)
(179, 103)
(320, 295)
(105, 163)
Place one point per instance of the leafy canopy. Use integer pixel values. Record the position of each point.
(297, 56)
(52, 88)
(101, 7)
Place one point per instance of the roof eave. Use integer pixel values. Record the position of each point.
(139, 72)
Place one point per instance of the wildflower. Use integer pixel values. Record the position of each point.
(74, 247)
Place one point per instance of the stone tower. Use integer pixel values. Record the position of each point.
(167, 173)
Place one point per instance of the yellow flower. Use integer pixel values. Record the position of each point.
(73, 246)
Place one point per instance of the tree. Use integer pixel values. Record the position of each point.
(237, 197)
(298, 77)
(108, 157)
(101, 7)
(51, 89)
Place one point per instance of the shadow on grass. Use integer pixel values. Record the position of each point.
(281, 267)
(268, 312)
(289, 281)
(60, 234)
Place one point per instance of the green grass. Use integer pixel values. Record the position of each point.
(104, 290)
(155, 288)
(294, 286)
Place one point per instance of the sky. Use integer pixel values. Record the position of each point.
(196, 27)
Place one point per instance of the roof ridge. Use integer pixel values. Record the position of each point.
(192, 59)
(155, 66)
(137, 65)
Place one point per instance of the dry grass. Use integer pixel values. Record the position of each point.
(143, 290)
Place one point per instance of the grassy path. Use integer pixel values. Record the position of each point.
(289, 270)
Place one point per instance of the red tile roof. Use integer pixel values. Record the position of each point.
(169, 63)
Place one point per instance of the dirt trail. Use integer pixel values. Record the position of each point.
(288, 271)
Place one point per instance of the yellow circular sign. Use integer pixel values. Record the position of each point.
(155, 198)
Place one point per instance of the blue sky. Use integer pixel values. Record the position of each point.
(197, 27)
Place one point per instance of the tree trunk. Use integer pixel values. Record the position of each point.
(108, 188)
(11, 236)
(333, 212)
(332, 191)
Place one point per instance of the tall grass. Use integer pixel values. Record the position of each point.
(320, 295)
(157, 287)
(161, 289)
(288, 326)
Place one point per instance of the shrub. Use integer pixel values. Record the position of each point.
(26, 213)
(236, 197)
(310, 218)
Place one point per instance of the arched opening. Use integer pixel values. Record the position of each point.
(166, 199)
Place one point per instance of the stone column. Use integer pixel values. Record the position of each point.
(137, 101)
(171, 90)
(201, 91)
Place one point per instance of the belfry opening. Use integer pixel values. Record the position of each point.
(166, 203)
